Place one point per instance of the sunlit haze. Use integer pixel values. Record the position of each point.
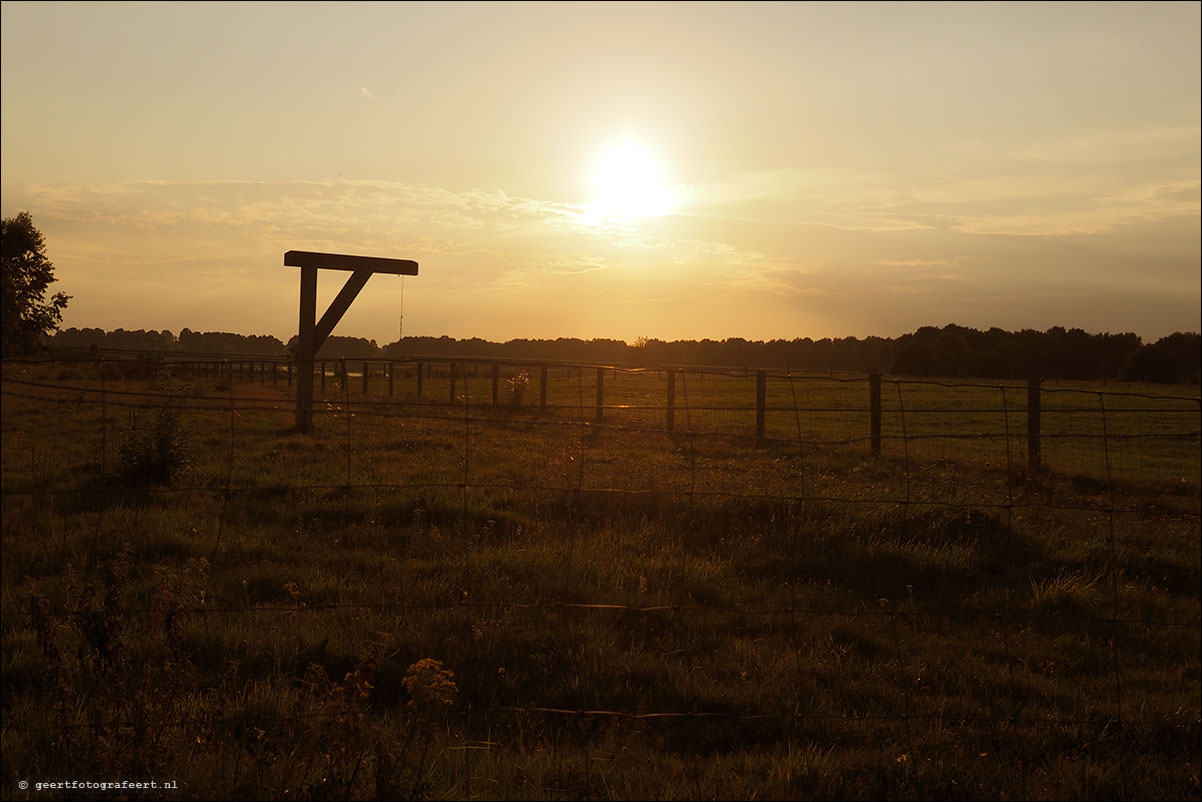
(674, 170)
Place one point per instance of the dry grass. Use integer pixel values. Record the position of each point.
(503, 606)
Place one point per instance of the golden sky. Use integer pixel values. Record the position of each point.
(675, 171)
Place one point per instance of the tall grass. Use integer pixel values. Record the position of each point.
(485, 603)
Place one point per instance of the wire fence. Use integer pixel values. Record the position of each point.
(489, 435)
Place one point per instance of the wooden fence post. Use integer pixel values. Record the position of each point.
(600, 392)
(761, 403)
(453, 382)
(874, 411)
(391, 374)
(366, 370)
(419, 379)
(671, 400)
(1034, 445)
(323, 376)
(496, 375)
(542, 388)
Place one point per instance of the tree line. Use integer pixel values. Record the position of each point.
(950, 351)
(29, 317)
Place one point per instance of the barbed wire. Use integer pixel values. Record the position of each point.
(631, 609)
(955, 721)
(473, 414)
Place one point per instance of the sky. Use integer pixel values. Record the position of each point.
(624, 170)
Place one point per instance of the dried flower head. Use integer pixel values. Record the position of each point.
(431, 686)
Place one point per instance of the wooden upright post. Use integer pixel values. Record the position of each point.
(874, 412)
(600, 392)
(761, 403)
(1034, 444)
(305, 350)
(671, 400)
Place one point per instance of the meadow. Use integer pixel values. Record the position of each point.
(438, 596)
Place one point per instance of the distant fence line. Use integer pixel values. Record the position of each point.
(454, 371)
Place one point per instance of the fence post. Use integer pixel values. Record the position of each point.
(671, 400)
(289, 375)
(453, 382)
(323, 376)
(600, 391)
(542, 388)
(391, 374)
(761, 403)
(366, 370)
(874, 411)
(496, 373)
(419, 379)
(275, 373)
(1034, 446)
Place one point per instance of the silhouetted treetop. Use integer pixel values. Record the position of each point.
(951, 351)
(25, 314)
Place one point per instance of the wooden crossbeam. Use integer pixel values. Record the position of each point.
(342, 261)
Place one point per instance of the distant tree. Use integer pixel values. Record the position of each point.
(1151, 363)
(27, 315)
(915, 357)
(1186, 348)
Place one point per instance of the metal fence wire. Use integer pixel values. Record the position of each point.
(550, 436)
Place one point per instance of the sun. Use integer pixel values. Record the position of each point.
(628, 183)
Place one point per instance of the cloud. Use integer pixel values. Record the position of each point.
(1086, 183)
(354, 210)
(1120, 146)
(365, 93)
(917, 262)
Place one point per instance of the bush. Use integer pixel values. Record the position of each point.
(156, 454)
(518, 384)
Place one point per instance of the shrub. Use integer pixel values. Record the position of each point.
(518, 384)
(156, 454)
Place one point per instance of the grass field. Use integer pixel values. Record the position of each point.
(431, 599)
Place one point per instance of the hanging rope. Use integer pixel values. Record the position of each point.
(401, 319)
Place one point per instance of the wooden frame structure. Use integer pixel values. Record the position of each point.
(314, 332)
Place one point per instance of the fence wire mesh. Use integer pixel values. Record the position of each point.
(484, 449)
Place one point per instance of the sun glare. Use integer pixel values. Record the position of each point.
(628, 184)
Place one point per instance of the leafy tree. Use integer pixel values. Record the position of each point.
(27, 315)
(1151, 363)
